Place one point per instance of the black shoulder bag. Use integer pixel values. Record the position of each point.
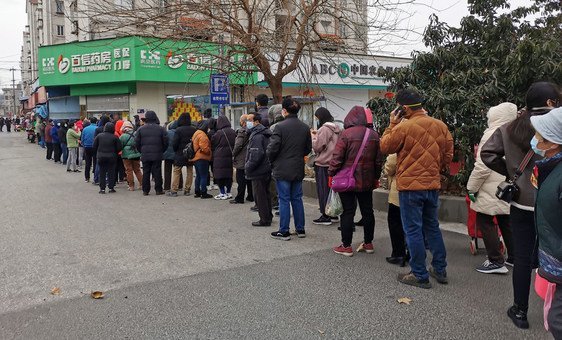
(508, 190)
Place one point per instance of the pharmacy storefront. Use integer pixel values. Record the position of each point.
(131, 75)
(337, 82)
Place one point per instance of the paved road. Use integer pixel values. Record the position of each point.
(189, 268)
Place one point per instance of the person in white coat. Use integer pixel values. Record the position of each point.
(481, 187)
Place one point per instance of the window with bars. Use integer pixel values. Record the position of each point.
(60, 30)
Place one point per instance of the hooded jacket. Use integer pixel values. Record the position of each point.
(55, 134)
(201, 143)
(107, 145)
(288, 145)
(324, 143)
(484, 180)
(369, 166)
(425, 149)
(169, 153)
(183, 135)
(62, 133)
(128, 142)
(222, 144)
(257, 166)
(240, 148)
(151, 139)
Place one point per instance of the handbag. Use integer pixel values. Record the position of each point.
(344, 180)
(508, 190)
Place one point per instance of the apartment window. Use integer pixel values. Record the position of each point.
(60, 6)
(60, 30)
(125, 4)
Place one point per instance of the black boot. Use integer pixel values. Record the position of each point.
(518, 316)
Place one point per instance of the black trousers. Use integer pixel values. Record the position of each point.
(90, 158)
(57, 151)
(396, 231)
(168, 165)
(262, 196)
(49, 150)
(120, 169)
(349, 201)
(525, 254)
(485, 223)
(153, 168)
(322, 189)
(243, 185)
(107, 170)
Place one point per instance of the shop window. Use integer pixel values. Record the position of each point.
(60, 30)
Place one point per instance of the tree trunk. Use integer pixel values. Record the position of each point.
(276, 87)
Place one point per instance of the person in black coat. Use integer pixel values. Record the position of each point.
(258, 169)
(1, 123)
(106, 147)
(182, 137)
(8, 123)
(290, 143)
(222, 144)
(151, 140)
(62, 137)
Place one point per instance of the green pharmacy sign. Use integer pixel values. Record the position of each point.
(135, 58)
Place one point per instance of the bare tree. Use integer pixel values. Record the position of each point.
(273, 34)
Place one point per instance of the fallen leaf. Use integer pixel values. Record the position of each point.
(55, 291)
(404, 300)
(360, 248)
(97, 295)
(321, 332)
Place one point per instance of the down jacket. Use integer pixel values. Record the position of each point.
(201, 143)
(107, 145)
(369, 167)
(151, 139)
(484, 180)
(182, 137)
(222, 146)
(240, 148)
(425, 149)
(325, 143)
(257, 165)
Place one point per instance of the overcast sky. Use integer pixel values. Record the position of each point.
(13, 20)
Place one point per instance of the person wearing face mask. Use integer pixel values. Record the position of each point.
(547, 142)
(425, 148)
(62, 137)
(324, 142)
(238, 160)
(508, 149)
(56, 142)
(258, 169)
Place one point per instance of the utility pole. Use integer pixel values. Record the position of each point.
(14, 91)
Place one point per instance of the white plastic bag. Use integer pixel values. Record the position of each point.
(334, 207)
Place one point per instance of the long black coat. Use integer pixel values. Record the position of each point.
(151, 139)
(107, 145)
(183, 135)
(288, 146)
(257, 165)
(62, 134)
(222, 144)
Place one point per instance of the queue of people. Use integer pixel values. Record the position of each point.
(524, 148)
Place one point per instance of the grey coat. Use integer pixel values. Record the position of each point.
(240, 148)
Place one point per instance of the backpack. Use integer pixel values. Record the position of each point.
(189, 151)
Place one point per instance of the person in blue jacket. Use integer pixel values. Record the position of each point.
(56, 142)
(87, 140)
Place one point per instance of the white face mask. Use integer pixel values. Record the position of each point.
(249, 125)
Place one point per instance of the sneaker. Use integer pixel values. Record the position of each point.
(412, 280)
(68, 170)
(172, 194)
(205, 196)
(489, 267)
(281, 236)
(187, 193)
(342, 250)
(334, 219)
(439, 277)
(228, 195)
(261, 224)
(366, 247)
(87, 180)
(518, 316)
(301, 233)
(323, 220)
(197, 194)
(112, 191)
(220, 197)
(102, 192)
(131, 189)
(509, 262)
(76, 171)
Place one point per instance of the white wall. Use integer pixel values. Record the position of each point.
(152, 96)
(340, 101)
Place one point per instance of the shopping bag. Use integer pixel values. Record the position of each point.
(334, 207)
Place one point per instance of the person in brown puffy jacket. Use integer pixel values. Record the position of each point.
(425, 148)
(202, 147)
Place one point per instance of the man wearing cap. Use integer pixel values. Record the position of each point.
(425, 148)
(547, 142)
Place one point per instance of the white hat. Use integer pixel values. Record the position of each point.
(549, 125)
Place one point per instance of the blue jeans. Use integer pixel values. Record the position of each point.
(201, 174)
(418, 210)
(290, 193)
(64, 152)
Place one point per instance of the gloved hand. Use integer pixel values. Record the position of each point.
(329, 181)
(472, 196)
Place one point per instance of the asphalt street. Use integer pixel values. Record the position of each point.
(186, 268)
